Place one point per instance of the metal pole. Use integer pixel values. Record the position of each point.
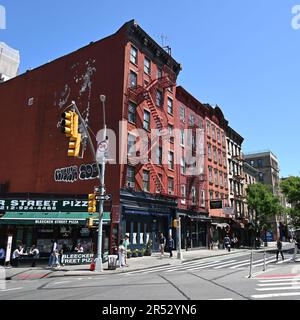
(251, 262)
(98, 265)
(264, 268)
(179, 254)
(295, 252)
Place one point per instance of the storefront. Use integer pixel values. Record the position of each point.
(144, 218)
(63, 220)
(194, 230)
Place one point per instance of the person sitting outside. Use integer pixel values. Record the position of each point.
(35, 253)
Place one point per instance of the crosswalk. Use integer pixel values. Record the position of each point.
(277, 287)
(216, 264)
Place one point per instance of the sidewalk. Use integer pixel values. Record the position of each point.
(135, 264)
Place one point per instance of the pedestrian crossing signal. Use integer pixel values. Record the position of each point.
(90, 222)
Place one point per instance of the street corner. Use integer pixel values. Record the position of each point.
(2, 278)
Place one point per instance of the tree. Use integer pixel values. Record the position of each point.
(291, 189)
(261, 200)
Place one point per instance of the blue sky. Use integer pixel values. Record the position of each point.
(243, 55)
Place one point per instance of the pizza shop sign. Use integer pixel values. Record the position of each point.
(77, 258)
(43, 205)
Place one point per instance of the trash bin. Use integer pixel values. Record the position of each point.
(112, 262)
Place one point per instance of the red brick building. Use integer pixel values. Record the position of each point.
(146, 171)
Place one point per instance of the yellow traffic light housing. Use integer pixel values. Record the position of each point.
(175, 223)
(90, 223)
(92, 203)
(67, 123)
(74, 146)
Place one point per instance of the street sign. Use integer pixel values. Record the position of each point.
(105, 197)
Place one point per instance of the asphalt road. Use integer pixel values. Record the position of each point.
(218, 278)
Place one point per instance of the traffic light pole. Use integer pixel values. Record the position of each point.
(98, 260)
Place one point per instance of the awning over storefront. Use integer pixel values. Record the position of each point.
(200, 218)
(53, 218)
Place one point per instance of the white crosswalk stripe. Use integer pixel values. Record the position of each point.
(276, 286)
(218, 263)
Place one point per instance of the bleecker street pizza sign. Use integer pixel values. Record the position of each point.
(43, 205)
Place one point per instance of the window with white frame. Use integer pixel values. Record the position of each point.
(182, 166)
(170, 105)
(202, 199)
(209, 151)
(159, 98)
(210, 174)
(146, 120)
(171, 160)
(130, 177)
(131, 145)
(182, 137)
(193, 191)
(208, 128)
(146, 180)
(183, 193)
(182, 114)
(134, 55)
(171, 133)
(132, 112)
(132, 79)
(170, 185)
(147, 66)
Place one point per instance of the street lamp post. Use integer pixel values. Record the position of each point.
(101, 165)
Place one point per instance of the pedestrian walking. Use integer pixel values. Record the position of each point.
(53, 250)
(2, 253)
(171, 245)
(126, 243)
(279, 249)
(162, 244)
(234, 242)
(227, 242)
(121, 252)
(16, 255)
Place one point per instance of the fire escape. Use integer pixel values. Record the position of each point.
(195, 180)
(238, 196)
(141, 94)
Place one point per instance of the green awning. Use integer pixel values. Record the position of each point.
(53, 218)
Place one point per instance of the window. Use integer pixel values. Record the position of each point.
(201, 124)
(159, 98)
(170, 185)
(182, 166)
(252, 163)
(223, 140)
(210, 175)
(132, 112)
(159, 179)
(146, 180)
(202, 200)
(182, 137)
(261, 177)
(225, 181)
(134, 55)
(131, 145)
(215, 154)
(182, 114)
(209, 151)
(132, 79)
(170, 129)
(216, 177)
(170, 106)
(218, 136)
(146, 120)
(208, 128)
(259, 163)
(159, 155)
(221, 179)
(147, 66)
(220, 157)
(217, 195)
(130, 177)
(224, 160)
(213, 132)
(193, 190)
(183, 193)
(211, 195)
(191, 120)
(171, 160)
(159, 72)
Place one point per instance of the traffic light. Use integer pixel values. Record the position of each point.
(67, 123)
(92, 203)
(70, 129)
(175, 223)
(74, 146)
(90, 222)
